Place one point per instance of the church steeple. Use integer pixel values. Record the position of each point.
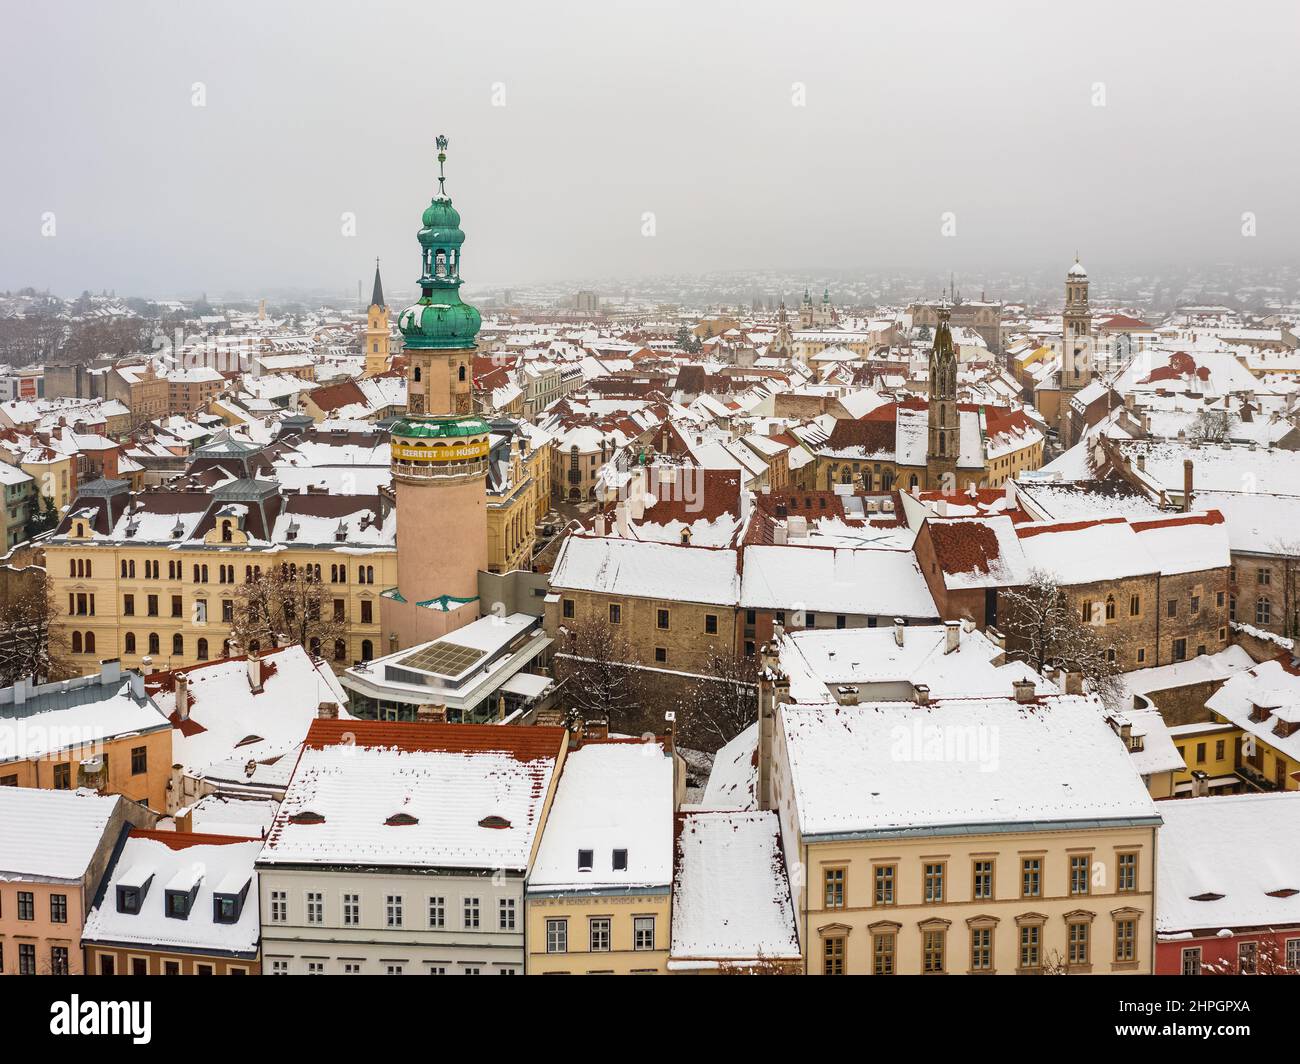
(944, 438)
(376, 337)
(377, 296)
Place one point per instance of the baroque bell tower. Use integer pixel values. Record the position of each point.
(439, 330)
(943, 444)
(1076, 331)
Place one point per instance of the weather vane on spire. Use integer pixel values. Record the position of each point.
(441, 142)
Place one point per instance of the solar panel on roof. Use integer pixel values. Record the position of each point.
(445, 659)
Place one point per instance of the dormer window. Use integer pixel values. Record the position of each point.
(178, 904)
(306, 817)
(128, 900)
(620, 860)
(225, 909)
(586, 859)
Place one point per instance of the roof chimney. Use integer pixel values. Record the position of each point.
(1187, 484)
(431, 714)
(922, 694)
(1024, 690)
(951, 636)
(110, 671)
(327, 711)
(255, 672)
(600, 525)
(1073, 682)
(898, 630)
(182, 696)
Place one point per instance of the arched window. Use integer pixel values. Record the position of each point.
(153, 643)
(72, 567)
(130, 566)
(226, 535)
(89, 568)
(340, 650)
(415, 374)
(128, 642)
(201, 650)
(124, 568)
(90, 642)
(461, 374)
(367, 650)
(178, 644)
(1110, 607)
(76, 642)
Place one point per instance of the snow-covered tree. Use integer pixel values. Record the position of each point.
(1045, 631)
(721, 703)
(30, 647)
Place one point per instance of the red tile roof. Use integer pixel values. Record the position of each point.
(523, 743)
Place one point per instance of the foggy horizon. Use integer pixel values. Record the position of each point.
(569, 123)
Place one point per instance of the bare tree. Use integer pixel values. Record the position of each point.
(1046, 632)
(722, 702)
(285, 605)
(1211, 426)
(598, 681)
(30, 646)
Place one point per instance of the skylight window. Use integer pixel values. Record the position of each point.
(586, 858)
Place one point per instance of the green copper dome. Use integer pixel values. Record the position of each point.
(428, 325)
(440, 320)
(440, 428)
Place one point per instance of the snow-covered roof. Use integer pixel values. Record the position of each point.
(51, 834)
(731, 895)
(733, 779)
(612, 796)
(639, 569)
(430, 795)
(836, 580)
(1238, 854)
(227, 719)
(967, 764)
(216, 864)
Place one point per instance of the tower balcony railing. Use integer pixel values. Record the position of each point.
(439, 470)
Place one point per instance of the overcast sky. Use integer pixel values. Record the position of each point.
(611, 110)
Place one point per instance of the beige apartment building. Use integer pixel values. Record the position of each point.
(155, 573)
(982, 836)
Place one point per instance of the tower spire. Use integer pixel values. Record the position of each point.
(377, 295)
(441, 142)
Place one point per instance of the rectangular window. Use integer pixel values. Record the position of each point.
(1077, 952)
(26, 958)
(1180, 650)
(506, 914)
(367, 612)
(884, 887)
(58, 960)
(1031, 877)
(932, 951)
(568, 608)
(557, 936)
(437, 912)
(1293, 954)
(883, 949)
(470, 911)
(1080, 869)
(178, 607)
(128, 605)
(981, 949)
(599, 934)
(661, 619)
(661, 654)
(834, 881)
(279, 967)
(139, 760)
(26, 905)
(933, 885)
(615, 613)
(982, 888)
(393, 910)
(351, 968)
(1125, 940)
(1134, 605)
(1192, 960)
(279, 907)
(351, 909)
(1127, 872)
(58, 908)
(643, 933)
(710, 624)
(1031, 944)
(833, 955)
(315, 907)
(63, 777)
(1247, 958)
